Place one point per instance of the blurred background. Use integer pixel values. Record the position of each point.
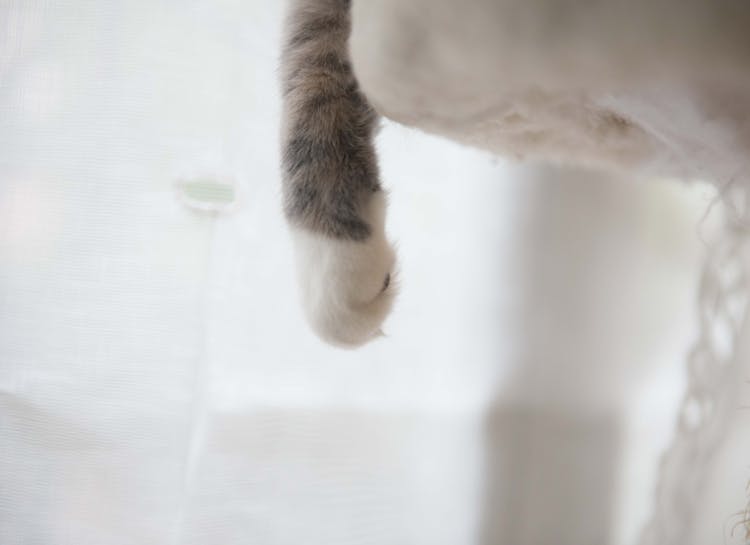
(158, 383)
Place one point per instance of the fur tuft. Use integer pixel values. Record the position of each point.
(347, 285)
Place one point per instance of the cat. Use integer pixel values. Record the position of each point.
(333, 200)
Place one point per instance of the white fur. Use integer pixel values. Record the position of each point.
(342, 281)
(655, 87)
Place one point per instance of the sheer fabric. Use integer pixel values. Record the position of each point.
(158, 383)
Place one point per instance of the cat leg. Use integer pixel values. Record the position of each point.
(333, 199)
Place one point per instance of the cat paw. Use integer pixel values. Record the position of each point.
(347, 287)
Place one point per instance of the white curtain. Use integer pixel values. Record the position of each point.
(157, 381)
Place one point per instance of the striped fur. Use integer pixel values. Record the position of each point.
(333, 199)
(329, 164)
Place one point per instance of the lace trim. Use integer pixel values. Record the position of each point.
(712, 395)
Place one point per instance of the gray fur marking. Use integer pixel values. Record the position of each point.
(329, 165)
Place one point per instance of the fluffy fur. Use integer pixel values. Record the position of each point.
(347, 285)
(651, 87)
(332, 194)
(639, 86)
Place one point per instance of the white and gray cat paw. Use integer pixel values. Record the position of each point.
(347, 286)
